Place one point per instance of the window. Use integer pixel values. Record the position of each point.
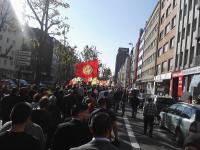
(176, 61)
(158, 69)
(194, 25)
(164, 67)
(7, 40)
(165, 48)
(180, 15)
(168, 11)
(162, 19)
(163, 4)
(167, 28)
(172, 43)
(190, 5)
(178, 37)
(173, 22)
(185, 10)
(183, 33)
(186, 57)
(161, 35)
(181, 59)
(170, 65)
(174, 3)
(191, 56)
(188, 29)
(160, 51)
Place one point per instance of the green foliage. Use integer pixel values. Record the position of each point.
(89, 53)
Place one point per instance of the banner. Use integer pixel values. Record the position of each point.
(87, 70)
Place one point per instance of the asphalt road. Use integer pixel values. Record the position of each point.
(132, 138)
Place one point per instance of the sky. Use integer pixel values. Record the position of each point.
(106, 24)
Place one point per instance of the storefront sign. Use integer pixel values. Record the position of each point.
(189, 71)
(160, 78)
(180, 85)
(177, 74)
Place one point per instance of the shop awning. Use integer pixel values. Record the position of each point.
(195, 80)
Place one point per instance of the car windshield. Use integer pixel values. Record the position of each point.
(167, 101)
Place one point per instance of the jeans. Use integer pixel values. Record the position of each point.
(148, 121)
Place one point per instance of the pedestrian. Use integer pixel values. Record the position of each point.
(16, 138)
(124, 99)
(134, 100)
(74, 132)
(102, 107)
(100, 125)
(149, 114)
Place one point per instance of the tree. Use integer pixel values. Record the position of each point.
(6, 16)
(89, 53)
(67, 57)
(47, 14)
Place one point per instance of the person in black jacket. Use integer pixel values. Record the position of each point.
(101, 126)
(75, 132)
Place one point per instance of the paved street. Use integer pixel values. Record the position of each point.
(131, 135)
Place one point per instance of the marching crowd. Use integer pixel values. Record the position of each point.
(81, 117)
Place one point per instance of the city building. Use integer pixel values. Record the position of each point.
(122, 54)
(150, 47)
(11, 39)
(186, 75)
(166, 46)
(140, 61)
(124, 74)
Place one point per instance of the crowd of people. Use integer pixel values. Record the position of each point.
(79, 117)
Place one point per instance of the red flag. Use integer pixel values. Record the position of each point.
(87, 69)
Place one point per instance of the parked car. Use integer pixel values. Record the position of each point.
(181, 119)
(163, 102)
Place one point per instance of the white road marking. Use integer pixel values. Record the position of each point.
(131, 135)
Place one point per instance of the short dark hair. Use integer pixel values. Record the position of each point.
(100, 123)
(102, 101)
(76, 109)
(44, 102)
(20, 113)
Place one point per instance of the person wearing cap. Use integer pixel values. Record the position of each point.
(16, 138)
(192, 142)
(100, 126)
(74, 132)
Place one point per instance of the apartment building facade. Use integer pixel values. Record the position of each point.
(122, 54)
(11, 39)
(166, 46)
(186, 75)
(140, 61)
(149, 55)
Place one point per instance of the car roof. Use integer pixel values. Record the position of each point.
(196, 106)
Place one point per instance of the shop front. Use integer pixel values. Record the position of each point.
(162, 84)
(186, 83)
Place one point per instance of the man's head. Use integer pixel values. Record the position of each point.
(44, 102)
(21, 113)
(100, 124)
(80, 111)
(102, 102)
